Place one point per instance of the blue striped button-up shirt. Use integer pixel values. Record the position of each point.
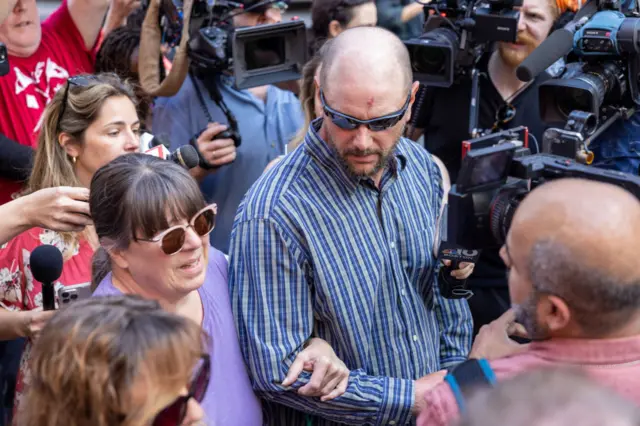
(318, 252)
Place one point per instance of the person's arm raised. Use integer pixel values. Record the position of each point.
(88, 16)
(63, 209)
(272, 302)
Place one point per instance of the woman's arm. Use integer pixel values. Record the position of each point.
(16, 324)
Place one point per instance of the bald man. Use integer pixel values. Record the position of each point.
(336, 242)
(574, 282)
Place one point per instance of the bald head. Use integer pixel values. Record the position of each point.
(579, 240)
(370, 55)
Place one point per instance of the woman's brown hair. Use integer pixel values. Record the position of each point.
(308, 94)
(108, 361)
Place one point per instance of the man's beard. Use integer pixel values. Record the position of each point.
(526, 315)
(384, 157)
(512, 57)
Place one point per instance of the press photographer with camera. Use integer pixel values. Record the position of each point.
(266, 118)
(504, 102)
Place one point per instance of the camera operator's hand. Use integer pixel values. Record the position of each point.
(216, 152)
(493, 340)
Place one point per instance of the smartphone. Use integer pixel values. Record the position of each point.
(4, 60)
(73, 293)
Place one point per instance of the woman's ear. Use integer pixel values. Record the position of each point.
(335, 28)
(69, 144)
(117, 255)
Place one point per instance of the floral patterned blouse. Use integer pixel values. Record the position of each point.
(20, 292)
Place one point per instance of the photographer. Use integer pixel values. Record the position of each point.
(268, 118)
(42, 57)
(505, 102)
(331, 17)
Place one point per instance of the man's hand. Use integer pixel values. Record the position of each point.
(64, 209)
(493, 339)
(424, 385)
(330, 375)
(33, 322)
(216, 152)
(464, 271)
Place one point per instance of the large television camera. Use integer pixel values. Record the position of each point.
(456, 35)
(256, 56)
(599, 82)
(4, 60)
(494, 180)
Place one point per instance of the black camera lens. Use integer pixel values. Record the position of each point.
(433, 57)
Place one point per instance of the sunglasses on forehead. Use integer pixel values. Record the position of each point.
(174, 413)
(79, 80)
(347, 122)
(172, 240)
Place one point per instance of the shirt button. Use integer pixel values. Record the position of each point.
(415, 337)
(392, 422)
(273, 145)
(402, 292)
(392, 245)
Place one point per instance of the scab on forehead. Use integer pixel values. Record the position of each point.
(370, 101)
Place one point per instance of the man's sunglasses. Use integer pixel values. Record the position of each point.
(504, 115)
(347, 122)
(172, 240)
(174, 413)
(79, 80)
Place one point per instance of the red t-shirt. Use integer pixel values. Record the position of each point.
(32, 82)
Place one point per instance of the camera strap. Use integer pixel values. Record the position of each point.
(468, 377)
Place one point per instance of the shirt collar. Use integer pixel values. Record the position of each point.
(589, 351)
(327, 156)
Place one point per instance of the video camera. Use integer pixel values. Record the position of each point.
(256, 56)
(4, 60)
(456, 36)
(492, 182)
(599, 84)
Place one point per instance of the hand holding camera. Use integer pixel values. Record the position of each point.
(216, 146)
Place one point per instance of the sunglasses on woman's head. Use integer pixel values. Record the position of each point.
(172, 240)
(347, 122)
(174, 413)
(79, 80)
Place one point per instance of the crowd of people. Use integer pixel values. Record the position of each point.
(292, 279)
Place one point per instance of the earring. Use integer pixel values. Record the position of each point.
(73, 160)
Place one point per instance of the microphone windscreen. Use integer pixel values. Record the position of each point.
(46, 263)
(187, 157)
(555, 47)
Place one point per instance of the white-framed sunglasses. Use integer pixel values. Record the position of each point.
(172, 240)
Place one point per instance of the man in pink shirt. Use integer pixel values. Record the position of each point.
(575, 287)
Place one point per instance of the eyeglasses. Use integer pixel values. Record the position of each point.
(174, 413)
(78, 80)
(504, 114)
(172, 240)
(347, 122)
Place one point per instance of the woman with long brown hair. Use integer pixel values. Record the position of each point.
(89, 122)
(117, 361)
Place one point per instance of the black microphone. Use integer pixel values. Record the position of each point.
(186, 156)
(46, 267)
(556, 46)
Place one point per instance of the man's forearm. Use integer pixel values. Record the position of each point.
(368, 400)
(16, 160)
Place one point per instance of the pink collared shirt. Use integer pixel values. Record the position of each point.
(614, 363)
